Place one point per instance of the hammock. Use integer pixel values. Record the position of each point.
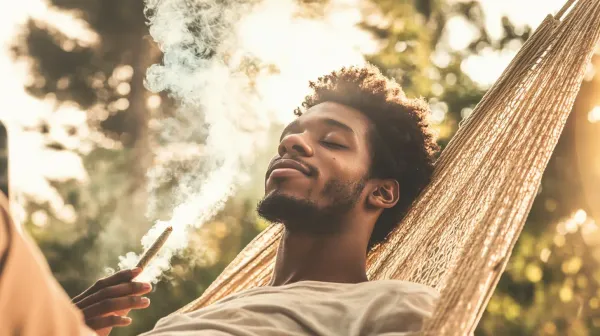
(460, 232)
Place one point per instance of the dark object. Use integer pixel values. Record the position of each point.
(4, 160)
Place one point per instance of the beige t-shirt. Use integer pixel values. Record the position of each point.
(383, 308)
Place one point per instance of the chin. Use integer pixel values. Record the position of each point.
(281, 207)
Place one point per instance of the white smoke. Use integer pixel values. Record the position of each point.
(234, 67)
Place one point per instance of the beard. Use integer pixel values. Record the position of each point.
(306, 215)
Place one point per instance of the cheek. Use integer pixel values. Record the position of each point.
(348, 169)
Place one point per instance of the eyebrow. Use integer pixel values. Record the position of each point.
(328, 121)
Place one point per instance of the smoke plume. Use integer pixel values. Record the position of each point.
(235, 68)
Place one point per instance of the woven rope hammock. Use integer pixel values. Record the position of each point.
(459, 234)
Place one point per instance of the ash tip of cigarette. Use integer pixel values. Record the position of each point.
(169, 228)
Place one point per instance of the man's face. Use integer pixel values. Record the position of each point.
(320, 170)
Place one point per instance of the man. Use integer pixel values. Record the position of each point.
(346, 171)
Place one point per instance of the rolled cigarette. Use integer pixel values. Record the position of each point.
(154, 248)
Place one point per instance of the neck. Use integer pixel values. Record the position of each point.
(337, 258)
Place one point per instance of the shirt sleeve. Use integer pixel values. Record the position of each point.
(31, 300)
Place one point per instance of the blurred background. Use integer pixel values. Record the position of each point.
(82, 135)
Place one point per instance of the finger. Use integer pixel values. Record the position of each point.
(121, 290)
(102, 322)
(113, 305)
(122, 312)
(115, 279)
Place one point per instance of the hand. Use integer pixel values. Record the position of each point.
(106, 304)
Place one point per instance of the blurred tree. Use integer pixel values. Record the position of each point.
(411, 33)
(101, 75)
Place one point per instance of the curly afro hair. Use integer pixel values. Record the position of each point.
(403, 147)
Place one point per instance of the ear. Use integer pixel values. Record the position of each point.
(385, 194)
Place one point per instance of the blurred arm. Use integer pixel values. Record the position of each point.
(31, 301)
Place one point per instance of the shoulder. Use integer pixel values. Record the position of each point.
(402, 306)
(408, 295)
(404, 287)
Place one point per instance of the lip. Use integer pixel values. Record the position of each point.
(286, 165)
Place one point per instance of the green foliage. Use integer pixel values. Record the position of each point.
(82, 72)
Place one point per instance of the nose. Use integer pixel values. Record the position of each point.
(295, 145)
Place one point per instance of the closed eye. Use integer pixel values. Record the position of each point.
(332, 145)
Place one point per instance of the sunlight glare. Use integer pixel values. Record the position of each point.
(301, 49)
(594, 115)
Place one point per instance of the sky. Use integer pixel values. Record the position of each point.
(31, 165)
